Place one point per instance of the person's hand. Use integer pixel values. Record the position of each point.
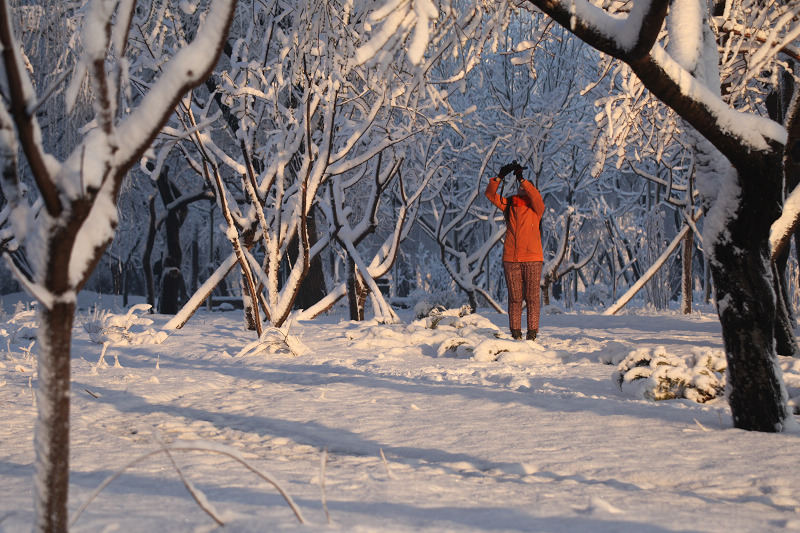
(505, 169)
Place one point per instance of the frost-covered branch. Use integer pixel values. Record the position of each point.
(734, 133)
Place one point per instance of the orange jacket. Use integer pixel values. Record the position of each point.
(523, 212)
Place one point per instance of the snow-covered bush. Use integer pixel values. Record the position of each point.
(438, 302)
(437, 314)
(657, 375)
(551, 309)
(108, 328)
(597, 294)
(21, 326)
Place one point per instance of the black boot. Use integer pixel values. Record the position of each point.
(531, 336)
(516, 334)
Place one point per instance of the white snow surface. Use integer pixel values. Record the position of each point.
(535, 438)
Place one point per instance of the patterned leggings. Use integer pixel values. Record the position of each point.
(523, 281)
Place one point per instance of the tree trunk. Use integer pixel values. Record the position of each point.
(785, 341)
(746, 302)
(250, 308)
(172, 278)
(195, 281)
(126, 285)
(52, 424)
(312, 289)
(547, 282)
(147, 254)
(686, 284)
(356, 291)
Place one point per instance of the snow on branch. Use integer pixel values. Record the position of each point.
(21, 94)
(627, 37)
(398, 19)
(188, 67)
(734, 133)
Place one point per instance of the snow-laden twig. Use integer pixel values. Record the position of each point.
(198, 495)
(386, 466)
(201, 446)
(323, 465)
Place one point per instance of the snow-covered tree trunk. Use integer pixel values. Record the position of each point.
(52, 425)
(746, 301)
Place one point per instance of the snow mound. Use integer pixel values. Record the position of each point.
(454, 333)
(273, 341)
(614, 352)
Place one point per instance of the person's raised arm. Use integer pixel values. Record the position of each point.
(535, 196)
(491, 192)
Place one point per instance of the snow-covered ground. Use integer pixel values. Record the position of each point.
(406, 427)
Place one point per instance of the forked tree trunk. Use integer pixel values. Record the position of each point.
(172, 282)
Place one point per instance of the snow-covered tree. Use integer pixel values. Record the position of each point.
(739, 171)
(65, 218)
(308, 118)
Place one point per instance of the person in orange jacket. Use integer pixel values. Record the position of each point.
(522, 251)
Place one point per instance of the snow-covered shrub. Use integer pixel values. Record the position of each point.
(613, 353)
(438, 302)
(21, 326)
(658, 375)
(108, 328)
(447, 317)
(455, 347)
(551, 310)
(597, 294)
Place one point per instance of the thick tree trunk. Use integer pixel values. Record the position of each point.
(52, 425)
(472, 297)
(746, 302)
